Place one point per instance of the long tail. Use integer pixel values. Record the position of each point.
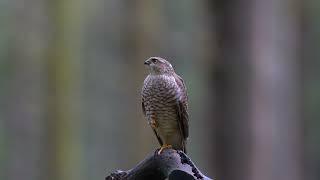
(184, 148)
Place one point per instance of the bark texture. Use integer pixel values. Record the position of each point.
(170, 164)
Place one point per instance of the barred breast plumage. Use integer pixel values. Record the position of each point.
(164, 104)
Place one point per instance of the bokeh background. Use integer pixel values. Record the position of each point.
(71, 72)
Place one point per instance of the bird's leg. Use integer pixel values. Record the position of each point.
(153, 123)
(164, 146)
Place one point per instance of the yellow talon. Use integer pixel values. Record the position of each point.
(164, 146)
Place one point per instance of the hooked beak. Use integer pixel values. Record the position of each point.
(147, 62)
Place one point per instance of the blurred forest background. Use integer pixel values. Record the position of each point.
(71, 72)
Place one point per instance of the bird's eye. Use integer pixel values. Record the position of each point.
(154, 60)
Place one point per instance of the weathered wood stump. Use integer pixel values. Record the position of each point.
(170, 164)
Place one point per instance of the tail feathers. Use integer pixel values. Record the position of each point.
(184, 148)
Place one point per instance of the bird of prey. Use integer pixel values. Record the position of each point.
(164, 104)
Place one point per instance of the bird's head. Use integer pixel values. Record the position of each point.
(159, 66)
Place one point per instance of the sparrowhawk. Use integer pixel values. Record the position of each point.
(164, 104)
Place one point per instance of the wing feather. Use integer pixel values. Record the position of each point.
(182, 107)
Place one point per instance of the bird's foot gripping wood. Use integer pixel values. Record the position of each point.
(164, 146)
